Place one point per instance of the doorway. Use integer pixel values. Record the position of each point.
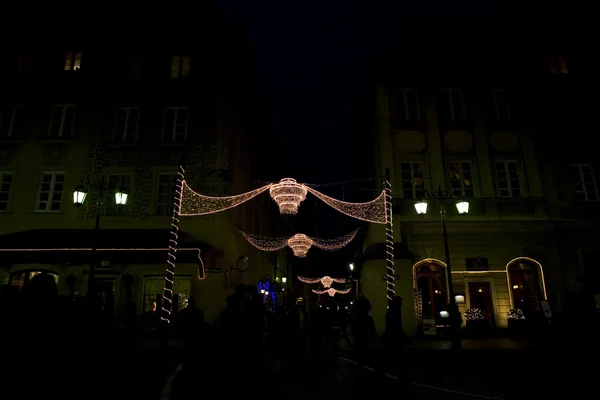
(105, 290)
(480, 296)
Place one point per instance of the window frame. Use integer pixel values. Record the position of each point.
(448, 92)
(63, 115)
(178, 65)
(580, 170)
(10, 189)
(520, 173)
(13, 118)
(474, 175)
(496, 105)
(175, 136)
(50, 192)
(406, 119)
(73, 60)
(125, 135)
(172, 186)
(415, 191)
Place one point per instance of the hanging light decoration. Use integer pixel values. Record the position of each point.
(332, 292)
(371, 211)
(299, 243)
(194, 203)
(288, 194)
(326, 281)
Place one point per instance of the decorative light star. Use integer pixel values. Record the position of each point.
(331, 291)
(326, 281)
(299, 243)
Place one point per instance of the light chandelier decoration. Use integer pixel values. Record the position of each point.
(299, 243)
(326, 281)
(288, 194)
(332, 292)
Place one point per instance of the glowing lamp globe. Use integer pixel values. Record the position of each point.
(459, 299)
(121, 197)
(300, 244)
(284, 279)
(79, 195)
(288, 194)
(444, 314)
(421, 207)
(462, 207)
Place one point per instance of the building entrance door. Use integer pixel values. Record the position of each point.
(480, 297)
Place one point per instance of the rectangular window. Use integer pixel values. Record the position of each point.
(461, 178)
(584, 182)
(497, 106)
(51, 190)
(180, 66)
(6, 182)
(452, 105)
(175, 123)
(509, 178)
(405, 106)
(10, 121)
(62, 121)
(413, 179)
(117, 181)
(73, 61)
(167, 183)
(154, 288)
(126, 124)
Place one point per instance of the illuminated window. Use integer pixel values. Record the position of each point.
(497, 106)
(584, 182)
(10, 120)
(126, 124)
(508, 177)
(167, 183)
(175, 123)
(405, 106)
(461, 178)
(50, 193)
(154, 288)
(452, 105)
(180, 66)
(73, 61)
(6, 181)
(413, 180)
(62, 121)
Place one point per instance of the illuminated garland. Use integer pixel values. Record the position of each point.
(371, 211)
(326, 281)
(167, 304)
(332, 292)
(299, 243)
(193, 203)
(389, 243)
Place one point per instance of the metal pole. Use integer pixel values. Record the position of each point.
(389, 239)
(167, 304)
(91, 290)
(453, 309)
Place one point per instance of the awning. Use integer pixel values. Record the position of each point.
(76, 246)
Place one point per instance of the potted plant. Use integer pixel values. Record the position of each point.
(516, 322)
(476, 321)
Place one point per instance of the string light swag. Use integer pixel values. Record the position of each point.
(326, 281)
(372, 211)
(332, 292)
(288, 194)
(299, 243)
(194, 203)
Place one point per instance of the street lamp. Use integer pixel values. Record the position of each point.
(284, 279)
(462, 205)
(351, 265)
(100, 187)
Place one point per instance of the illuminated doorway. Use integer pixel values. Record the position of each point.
(480, 297)
(430, 281)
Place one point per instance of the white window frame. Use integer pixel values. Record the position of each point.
(412, 175)
(473, 168)
(520, 173)
(180, 65)
(494, 93)
(417, 105)
(73, 60)
(581, 181)
(50, 192)
(187, 119)
(125, 135)
(158, 193)
(10, 189)
(4, 117)
(63, 115)
(453, 113)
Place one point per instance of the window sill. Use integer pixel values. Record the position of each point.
(12, 140)
(58, 140)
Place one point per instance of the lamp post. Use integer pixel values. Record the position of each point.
(101, 187)
(462, 205)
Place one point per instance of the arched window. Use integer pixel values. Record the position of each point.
(430, 280)
(526, 285)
